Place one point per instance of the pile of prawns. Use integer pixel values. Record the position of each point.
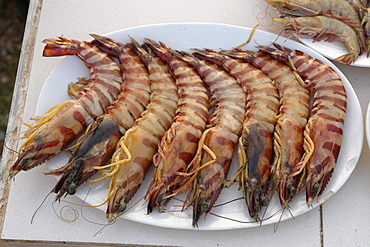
(185, 113)
(329, 20)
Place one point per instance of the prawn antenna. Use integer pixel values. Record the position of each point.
(276, 225)
(11, 150)
(228, 202)
(38, 208)
(83, 206)
(231, 219)
(114, 219)
(249, 38)
(64, 212)
(262, 16)
(64, 217)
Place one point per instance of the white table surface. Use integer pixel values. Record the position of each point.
(344, 217)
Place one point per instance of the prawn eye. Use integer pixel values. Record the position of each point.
(24, 162)
(72, 188)
(265, 201)
(121, 208)
(293, 191)
(68, 180)
(315, 187)
(160, 197)
(204, 207)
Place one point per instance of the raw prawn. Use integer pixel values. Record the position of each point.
(179, 144)
(99, 142)
(325, 28)
(255, 146)
(59, 126)
(293, 115)
(324, 130)
(135, 151)
(341, 10)
(216, 146)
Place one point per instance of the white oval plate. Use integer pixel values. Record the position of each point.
(333, 50)
(184, 36)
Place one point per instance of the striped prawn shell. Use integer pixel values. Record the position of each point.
(135, 97)
(105, 81)
(223, 129)
(293, 115)
(142, 139)
(63, 123)
(292, 119)
(325, 125)
(180, 142)
(97, 145)
(255, 146)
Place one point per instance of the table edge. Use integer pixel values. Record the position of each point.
(18, 103)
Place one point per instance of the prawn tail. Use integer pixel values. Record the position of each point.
(348, 58)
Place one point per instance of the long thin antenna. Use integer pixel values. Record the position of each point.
(43, 201)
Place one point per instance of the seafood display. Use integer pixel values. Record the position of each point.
(189, 126)
(327, 20)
